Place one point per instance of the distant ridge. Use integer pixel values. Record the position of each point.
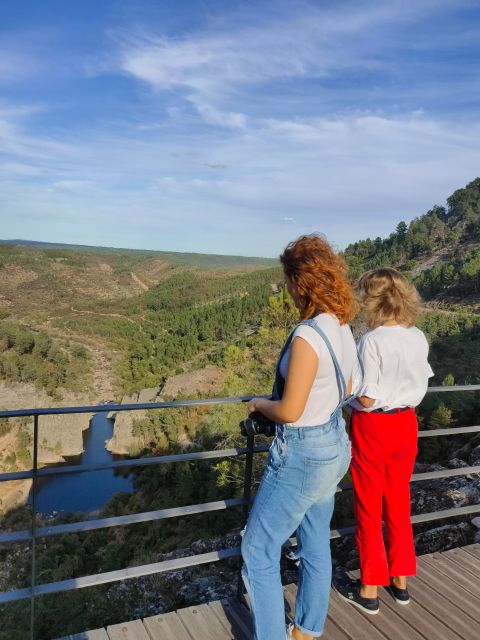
(174, 257)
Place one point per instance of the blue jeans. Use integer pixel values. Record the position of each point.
(297, 492)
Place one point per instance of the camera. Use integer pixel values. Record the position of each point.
(257, 423)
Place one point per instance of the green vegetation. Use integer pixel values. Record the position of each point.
(31, 356)
(187, 318)
(439, 229)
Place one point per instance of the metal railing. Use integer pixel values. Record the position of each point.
(249, 451)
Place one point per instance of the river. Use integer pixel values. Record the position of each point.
(88, 490)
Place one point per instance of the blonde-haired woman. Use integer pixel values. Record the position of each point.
(384, 436)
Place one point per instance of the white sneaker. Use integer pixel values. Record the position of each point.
(290, 631)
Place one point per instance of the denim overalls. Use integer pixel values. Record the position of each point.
(305, 465)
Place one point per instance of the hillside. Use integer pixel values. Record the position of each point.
(137, 325)
(439, 250)
(102, 299)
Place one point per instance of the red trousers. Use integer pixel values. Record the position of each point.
(384, 447)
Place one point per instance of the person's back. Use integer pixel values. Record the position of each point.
(311, 450)
(384, 436)
(396, 367)
(323, 397)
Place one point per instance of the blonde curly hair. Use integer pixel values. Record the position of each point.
(387, 295)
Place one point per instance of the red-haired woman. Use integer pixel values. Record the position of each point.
(310, 452)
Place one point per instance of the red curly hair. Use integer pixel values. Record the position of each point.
(320, 278)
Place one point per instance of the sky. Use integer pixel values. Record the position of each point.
(233, 126)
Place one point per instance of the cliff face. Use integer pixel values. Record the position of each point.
(59, 436)
(123, 440)
(205, 382)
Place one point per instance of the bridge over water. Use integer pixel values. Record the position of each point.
(445, 594)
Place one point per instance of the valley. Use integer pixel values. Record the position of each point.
(84, 325)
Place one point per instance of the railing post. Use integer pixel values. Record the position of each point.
(34, 525)
(247, 490)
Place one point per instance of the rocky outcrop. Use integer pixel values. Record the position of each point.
(203, 381)
(123, 441)
(199, 382)
(60, 436)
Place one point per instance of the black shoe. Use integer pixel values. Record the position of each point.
(400, 595)
(349, 590)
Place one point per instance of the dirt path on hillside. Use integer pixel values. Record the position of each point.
(105, 315)
(137, 280)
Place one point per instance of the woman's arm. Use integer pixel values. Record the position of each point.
(366, 402)
(301, 372)
(369, 390)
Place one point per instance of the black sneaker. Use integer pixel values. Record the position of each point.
(400, 595)
(349, 590)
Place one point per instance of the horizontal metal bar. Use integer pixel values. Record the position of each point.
(150, 516)
(455, 387)
(134, 462)
(446, 513)
(190, 561)
(121, 574)
(119, 521)
(448, 432)
(185, 457)
(444, 473)
(136, 406)
(103, 408)
(427, 475)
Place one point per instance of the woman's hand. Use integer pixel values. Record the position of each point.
(252, 405)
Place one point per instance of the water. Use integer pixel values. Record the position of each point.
(89, 490)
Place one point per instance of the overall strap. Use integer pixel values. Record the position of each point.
(342, 387)
(279, 382)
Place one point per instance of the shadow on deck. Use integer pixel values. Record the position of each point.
(445, 605)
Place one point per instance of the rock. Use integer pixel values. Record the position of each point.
(442, 538)
(456, 463)
(60, 436)
(123, 440)
(203, 381)
(476, 522)
(474, 457)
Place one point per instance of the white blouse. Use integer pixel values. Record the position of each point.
(396, 366)
(324, 397)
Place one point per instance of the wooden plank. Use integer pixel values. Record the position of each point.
(473, 550)
(331, 631)
(235, 626)
(417, 617)
(443, 585)
(242, 614)
(353, 623)
(166, 626)
(133, 630)
(391, 624)
(95, 634)
(202, 623)
(443, 609)
(450, 568)
(465, 560)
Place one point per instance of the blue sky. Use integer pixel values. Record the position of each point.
(232, 126)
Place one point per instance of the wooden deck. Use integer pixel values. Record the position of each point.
(445, 606)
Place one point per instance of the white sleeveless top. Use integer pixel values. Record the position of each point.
(324, 396)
